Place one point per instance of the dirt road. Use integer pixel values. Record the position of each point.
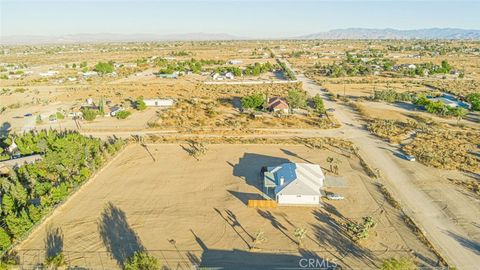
(447, 236)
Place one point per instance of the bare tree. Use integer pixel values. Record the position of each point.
(259, 239)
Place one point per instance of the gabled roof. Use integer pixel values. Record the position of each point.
(298, 178)
(277, 103)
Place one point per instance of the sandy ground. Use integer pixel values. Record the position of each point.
(194, 212)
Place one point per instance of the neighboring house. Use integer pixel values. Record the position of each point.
(17, 162)
(48, 73)
(277, 104)
(165, 75)
(89, 74)
(451, 101)
(158, 102)
(294, 183)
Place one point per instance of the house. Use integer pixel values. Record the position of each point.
(294, 183)
(277, 104)
(450, 101)
(158, 102)
(49, 73)
(166, 75)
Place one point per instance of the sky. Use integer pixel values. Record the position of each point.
(244, 18)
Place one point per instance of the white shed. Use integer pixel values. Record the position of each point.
(295, 183)
(158, 102)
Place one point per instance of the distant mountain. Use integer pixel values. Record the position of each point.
(108, 37)
(388, 33)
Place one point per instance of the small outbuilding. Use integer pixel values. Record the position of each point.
(294, 183)
(158, 102)
(277, 104)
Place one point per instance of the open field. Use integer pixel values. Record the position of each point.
(188, 212)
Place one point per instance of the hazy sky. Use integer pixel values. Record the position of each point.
(247, 18)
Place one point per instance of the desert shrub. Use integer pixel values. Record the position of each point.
(360, 230)
(474, 99)
(140, 104)
(56, 260)
(404, 263)
(445, 149)
(104, 67)
(392, 130)
(142, 261)
(89, 114)
(122, 114)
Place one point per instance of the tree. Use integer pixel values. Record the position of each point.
(122, 114)
(318, 104)
(89, 114)
(300, 234)
(142, 261)
(404, 263)
(104, 67)
(254, 101)
(140, 104)
(259, 239)
(330, 161)
(360, 230)
(474, 99)
(5, 240)
(56, 260)
(297, 99)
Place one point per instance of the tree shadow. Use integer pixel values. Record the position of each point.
(329, 233)
(468, 243)
(53, 242)
(119, 238)
(250, 165)
(5, 129)
(290, 153)
(275, 223)
(241, 259)
(244, 197)
(233, 221)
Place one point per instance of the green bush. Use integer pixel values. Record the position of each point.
(142, 261)
(398, 264)
(89, 114)
(123, 114)
(140, 104)
(103, 67)
(474, 99)
(297, 98)
(254, 101)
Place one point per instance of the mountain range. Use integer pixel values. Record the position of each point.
(348, 33)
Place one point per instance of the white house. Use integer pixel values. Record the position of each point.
(158, 102)
(294, 183)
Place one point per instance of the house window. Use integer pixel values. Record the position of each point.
(299, 196)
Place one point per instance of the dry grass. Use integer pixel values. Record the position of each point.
(446, 149)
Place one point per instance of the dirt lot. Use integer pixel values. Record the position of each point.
(194, 212)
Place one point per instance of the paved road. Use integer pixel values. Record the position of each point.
(454, 244)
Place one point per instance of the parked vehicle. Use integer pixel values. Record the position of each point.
(27, 114)
(335, 197)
